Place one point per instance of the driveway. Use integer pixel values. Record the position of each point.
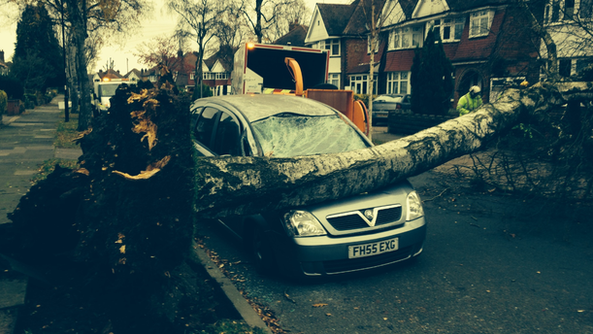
(492, 263)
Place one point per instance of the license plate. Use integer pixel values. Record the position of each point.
(373, 248)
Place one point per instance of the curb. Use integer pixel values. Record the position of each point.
(235, 297)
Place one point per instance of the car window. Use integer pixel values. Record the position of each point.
(205, 125)
(293, 135)
(407, 99)
(228, 133)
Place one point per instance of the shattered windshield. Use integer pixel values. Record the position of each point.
(292, 135)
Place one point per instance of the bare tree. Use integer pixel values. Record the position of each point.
(159, 50)
(198, 20)
(288, 14)
(262, 16)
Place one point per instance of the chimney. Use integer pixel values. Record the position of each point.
(1, 56)
(293, 25)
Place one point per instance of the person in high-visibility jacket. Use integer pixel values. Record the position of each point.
(470, 101)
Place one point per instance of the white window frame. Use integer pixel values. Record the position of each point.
(480, 23)
(208, 76)
(406, 38)
(222, 75)
(332, 46)
(334, 79)
(453, 27)
(398, 82)
(359, 83)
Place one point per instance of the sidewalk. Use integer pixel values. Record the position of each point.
(26, 141)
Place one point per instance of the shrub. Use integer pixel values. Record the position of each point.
(13, 88)
(206, 92)
(30, 101)
(3, 101)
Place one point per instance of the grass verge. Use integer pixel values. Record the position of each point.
(66, 133)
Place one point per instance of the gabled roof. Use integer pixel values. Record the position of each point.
(336, 17)
(461, 5)
(224, 56)
(110, 73)
(134, 71)
(295, 37)
(408, 6)
(360, 19)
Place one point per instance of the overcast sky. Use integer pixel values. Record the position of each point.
(122, 55)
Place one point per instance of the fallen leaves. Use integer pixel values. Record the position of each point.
(319, 305)
(151, 170)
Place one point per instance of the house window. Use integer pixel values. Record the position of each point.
(334, 79)
(552, 11)
(398, 82)
(209, 76)
(449, 29)
(582, 64)
(585, 9)
(405, 38)
(564, 67)
(222, 76)
(332, 46)
(479, 23)
(359, 84)
(191, 76)
(568, 9)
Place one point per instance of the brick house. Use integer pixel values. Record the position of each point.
(486, 40)
(340, 29)
(216, 71)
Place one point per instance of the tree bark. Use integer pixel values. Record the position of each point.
(79, 34)
(247, 185)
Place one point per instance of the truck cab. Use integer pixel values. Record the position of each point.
(102, 93)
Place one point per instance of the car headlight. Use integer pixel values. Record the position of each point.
(300, 223)
(415, 209)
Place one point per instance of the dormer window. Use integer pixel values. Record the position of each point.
(480, 22)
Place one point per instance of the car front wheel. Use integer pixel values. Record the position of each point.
(261, 251)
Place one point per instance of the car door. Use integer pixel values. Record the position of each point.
(219, 132)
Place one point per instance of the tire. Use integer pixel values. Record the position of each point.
(261, 251)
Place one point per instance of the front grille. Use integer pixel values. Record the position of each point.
(390, 215)
(342, 266)
(355, 220)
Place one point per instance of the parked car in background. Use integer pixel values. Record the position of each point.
(357, 233)
(383, 104)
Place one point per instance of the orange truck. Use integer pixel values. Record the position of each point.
(281, 69)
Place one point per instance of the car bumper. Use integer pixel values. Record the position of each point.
(326, 255)
(380, 116)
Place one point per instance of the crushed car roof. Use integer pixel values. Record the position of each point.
(259, 106)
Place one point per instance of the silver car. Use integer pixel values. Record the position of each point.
(366, 231)
(383, 104)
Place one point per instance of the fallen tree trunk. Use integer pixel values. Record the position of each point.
(246, 185)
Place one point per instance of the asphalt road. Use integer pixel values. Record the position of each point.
(491, 264)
